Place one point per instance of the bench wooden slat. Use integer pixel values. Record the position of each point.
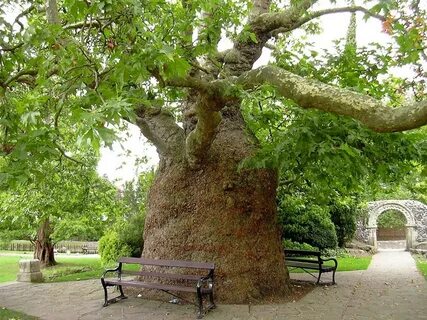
(163, 275)
(158, 286)
(169, 263)
(303, 260)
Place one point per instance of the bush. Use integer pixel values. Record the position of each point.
(111, 248)
(344, 218)
(307, 224)
(391, 219)
(289, 244)
(131, 234)
(338, 252)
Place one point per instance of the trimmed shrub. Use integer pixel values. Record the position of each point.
(289, 244)
(307, 224)
(131, 234)
(111, 248)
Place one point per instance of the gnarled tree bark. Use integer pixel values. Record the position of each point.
(43, 244)
(217, 213)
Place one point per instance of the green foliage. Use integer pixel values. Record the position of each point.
(329, 163)
(125, 238)
(343, 216)
(391, 219)
(289, 244)
(422, 265)
(131, 234)
(77, 202)
(111, 248)
(306, 223)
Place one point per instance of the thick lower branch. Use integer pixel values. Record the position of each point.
(160, 128)
(200, 139)
(308, 93)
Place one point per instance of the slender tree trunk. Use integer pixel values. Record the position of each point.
(218, 213)
(43, 244)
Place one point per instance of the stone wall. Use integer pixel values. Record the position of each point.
(414, 211)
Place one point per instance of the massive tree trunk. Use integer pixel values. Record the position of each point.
(43, 245)
(217, 213)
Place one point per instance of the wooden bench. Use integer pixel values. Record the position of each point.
(190, 282)
(311, 260)
(89, 249)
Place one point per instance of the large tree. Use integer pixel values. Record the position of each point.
(158, 64)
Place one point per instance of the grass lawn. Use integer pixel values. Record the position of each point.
(351, 263)
(347, 264)
(8, 268)
(83, 268)
(422, 264)
(6, 314)
(67, 269)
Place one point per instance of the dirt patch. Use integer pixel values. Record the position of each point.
(300, 289)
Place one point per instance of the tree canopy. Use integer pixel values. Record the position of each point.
(84, 65)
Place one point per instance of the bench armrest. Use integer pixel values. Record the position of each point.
(118, 270)
(330, 259)
(208, 280)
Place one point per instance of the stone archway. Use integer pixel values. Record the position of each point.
(415, 213)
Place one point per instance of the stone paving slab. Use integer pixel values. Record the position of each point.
(391, 288)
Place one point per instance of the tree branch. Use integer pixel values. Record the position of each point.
(18, 76)
(245, 52)
(200, 139)
(160, 128)
(83, 24)
(52, 12)
(11, 49)
(351, 9)
(308, 93)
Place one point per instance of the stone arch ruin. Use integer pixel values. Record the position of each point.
(415, 213)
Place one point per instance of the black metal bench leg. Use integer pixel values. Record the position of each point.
(200, 303)
(105, 293)
(122, 295)
(318, 278)
(333, 277)
(211, 300)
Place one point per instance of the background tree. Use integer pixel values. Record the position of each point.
(125, 236)
(70, 202)
(157, 64)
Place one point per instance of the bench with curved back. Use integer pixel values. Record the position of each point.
(310, 260)
(168, 279)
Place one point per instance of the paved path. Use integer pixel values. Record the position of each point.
(390, 289)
